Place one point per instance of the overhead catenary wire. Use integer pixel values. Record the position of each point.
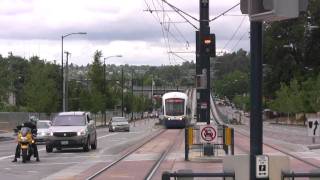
(157, 18)
(234, 33)
(180, 12)
(223, 13)
(167, 30)
(233, 48)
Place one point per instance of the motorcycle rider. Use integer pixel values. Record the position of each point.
(32, 124)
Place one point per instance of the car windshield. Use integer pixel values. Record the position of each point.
(174, 107)
(43, 125)
(119, 119)
(71, 120)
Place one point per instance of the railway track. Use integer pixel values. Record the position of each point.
(283, 151)
(150, 174)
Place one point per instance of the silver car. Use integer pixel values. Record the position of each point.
(72, 129)
(43, 131)
(119, 124)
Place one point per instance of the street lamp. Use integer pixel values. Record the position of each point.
(104, 74)
(62, 73)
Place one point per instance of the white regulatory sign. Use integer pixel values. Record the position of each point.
(313, 127)
(262, 166)
(208, 134)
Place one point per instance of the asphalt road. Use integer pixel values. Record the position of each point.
(70, 162)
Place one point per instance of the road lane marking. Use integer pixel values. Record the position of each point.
(42, 149)
(11, 156)
(107, 135)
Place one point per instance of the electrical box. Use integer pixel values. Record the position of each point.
(201, 80)
(273, 10)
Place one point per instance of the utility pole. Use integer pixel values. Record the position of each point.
(62, 77)
(66, 81)
(203, 64)
(132, 97)
(122, 91)
(142, 98)
(104, 89)
(152, 92)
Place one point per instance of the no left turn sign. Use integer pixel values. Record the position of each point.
(208, 134)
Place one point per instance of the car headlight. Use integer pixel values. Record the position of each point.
(82, 132)
(50, 133)
(180, 118)
(169, 118)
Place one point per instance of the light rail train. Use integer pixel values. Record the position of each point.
(175, 110)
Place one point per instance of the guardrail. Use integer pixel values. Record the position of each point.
(167, 175)
(293, 175)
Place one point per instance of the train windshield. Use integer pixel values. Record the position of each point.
(174, 107)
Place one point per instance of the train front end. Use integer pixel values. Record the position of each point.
(175, 110)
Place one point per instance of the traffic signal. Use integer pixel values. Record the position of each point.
(273, 10)
(209, 42)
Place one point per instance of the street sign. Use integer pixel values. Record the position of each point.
(208, 134)
(313, 127)
(262, 166)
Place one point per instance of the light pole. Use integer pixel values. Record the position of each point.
(62, 72)
(104, 79)
(66, 80)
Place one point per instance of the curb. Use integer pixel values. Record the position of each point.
(312, 147)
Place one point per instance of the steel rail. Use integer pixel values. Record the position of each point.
(284, 152)
(125, 155)
(164, 154)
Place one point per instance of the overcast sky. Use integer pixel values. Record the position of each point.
(35, 27)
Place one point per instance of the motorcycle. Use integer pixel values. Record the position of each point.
(25, 140)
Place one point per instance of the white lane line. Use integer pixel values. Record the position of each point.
(62, 163)
(11, 156)
(107, 135)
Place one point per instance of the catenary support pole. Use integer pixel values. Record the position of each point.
(255, 95)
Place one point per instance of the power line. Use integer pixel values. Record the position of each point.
(235, 32)
(223, 13)
(239, 40)
(179, 11)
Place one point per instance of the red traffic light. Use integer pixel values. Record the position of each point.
(207, 40)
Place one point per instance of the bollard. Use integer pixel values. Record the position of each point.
(186, 145)
(232, 141)
(165, 175)
(225, 141)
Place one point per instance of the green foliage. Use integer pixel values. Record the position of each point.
(289, 99)
(41, 89)
(242, 102)
(232, 84)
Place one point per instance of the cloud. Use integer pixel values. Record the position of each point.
(35, 27)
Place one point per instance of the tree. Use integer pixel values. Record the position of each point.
(41, 89)
(232, 84)
(96, 75)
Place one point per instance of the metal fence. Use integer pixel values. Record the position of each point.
(9, 120)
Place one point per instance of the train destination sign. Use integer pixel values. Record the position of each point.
(208, 134)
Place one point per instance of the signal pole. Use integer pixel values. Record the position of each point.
(203, 64)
